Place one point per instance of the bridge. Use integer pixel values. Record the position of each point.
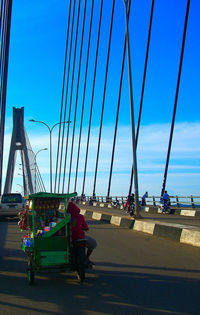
(94, 96)
(104, 103)
(102, 97)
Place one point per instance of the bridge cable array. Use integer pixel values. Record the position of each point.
(92, 36)
(74, 59)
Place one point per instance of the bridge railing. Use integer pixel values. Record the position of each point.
(175, 201)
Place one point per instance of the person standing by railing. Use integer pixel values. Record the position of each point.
(143, 203)
(166, 202)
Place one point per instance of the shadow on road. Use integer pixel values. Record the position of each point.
(110, 288)
(104, 291)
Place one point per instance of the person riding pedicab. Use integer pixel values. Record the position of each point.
(78, 229)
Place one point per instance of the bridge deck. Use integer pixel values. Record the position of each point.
(170, 218)
(185, 230)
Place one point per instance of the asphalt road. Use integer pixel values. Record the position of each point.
(134, 274)
(170, 218)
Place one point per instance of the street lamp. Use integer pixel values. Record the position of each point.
(50, 142)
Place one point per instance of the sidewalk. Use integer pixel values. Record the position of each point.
(175, 227)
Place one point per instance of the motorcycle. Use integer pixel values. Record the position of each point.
(130, 208)
(165, 207)
(115, 204)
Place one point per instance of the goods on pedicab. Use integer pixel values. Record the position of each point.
(47, 216)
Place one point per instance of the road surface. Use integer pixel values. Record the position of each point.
(134, 274)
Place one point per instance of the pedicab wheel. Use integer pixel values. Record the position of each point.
(30, 272)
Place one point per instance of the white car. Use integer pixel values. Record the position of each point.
(11, 204)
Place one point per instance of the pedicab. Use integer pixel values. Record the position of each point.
(47, 242)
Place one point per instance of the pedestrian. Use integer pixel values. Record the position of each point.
(94, 197)
(83, 197)
(166, 202)
(144, 198)
(79, 227)
(126, 204)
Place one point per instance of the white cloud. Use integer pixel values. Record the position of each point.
(151, 156)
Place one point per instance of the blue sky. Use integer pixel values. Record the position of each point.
(36, 62)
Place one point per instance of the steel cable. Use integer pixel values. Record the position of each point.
(104, 93)
(66, 94)
(117, 114)
(84, 90)
(176, 96)
(70, 104)
(62, 97)
(143, 86)
(4, 75)
(1, 29)
(3, 46)
(91, 107)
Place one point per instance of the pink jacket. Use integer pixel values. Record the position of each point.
(80, 225)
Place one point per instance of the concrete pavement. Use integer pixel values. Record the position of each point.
(180, 228)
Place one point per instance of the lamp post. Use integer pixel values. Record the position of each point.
(50, 143)
(35, 156)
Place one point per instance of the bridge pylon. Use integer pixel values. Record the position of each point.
(19, 142)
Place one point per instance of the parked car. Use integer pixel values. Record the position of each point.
(11, 203)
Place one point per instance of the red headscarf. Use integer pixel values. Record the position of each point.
(80, 223)
(73, 209)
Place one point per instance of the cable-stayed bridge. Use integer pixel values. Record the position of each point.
(98, 81)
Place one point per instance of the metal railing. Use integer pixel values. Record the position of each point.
(175, 201)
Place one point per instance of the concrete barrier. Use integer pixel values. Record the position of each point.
(115, 220)
(190, 237)
(143, 226)
(185, 234)
(96, 216)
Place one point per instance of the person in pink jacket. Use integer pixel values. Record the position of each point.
(79, 227)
